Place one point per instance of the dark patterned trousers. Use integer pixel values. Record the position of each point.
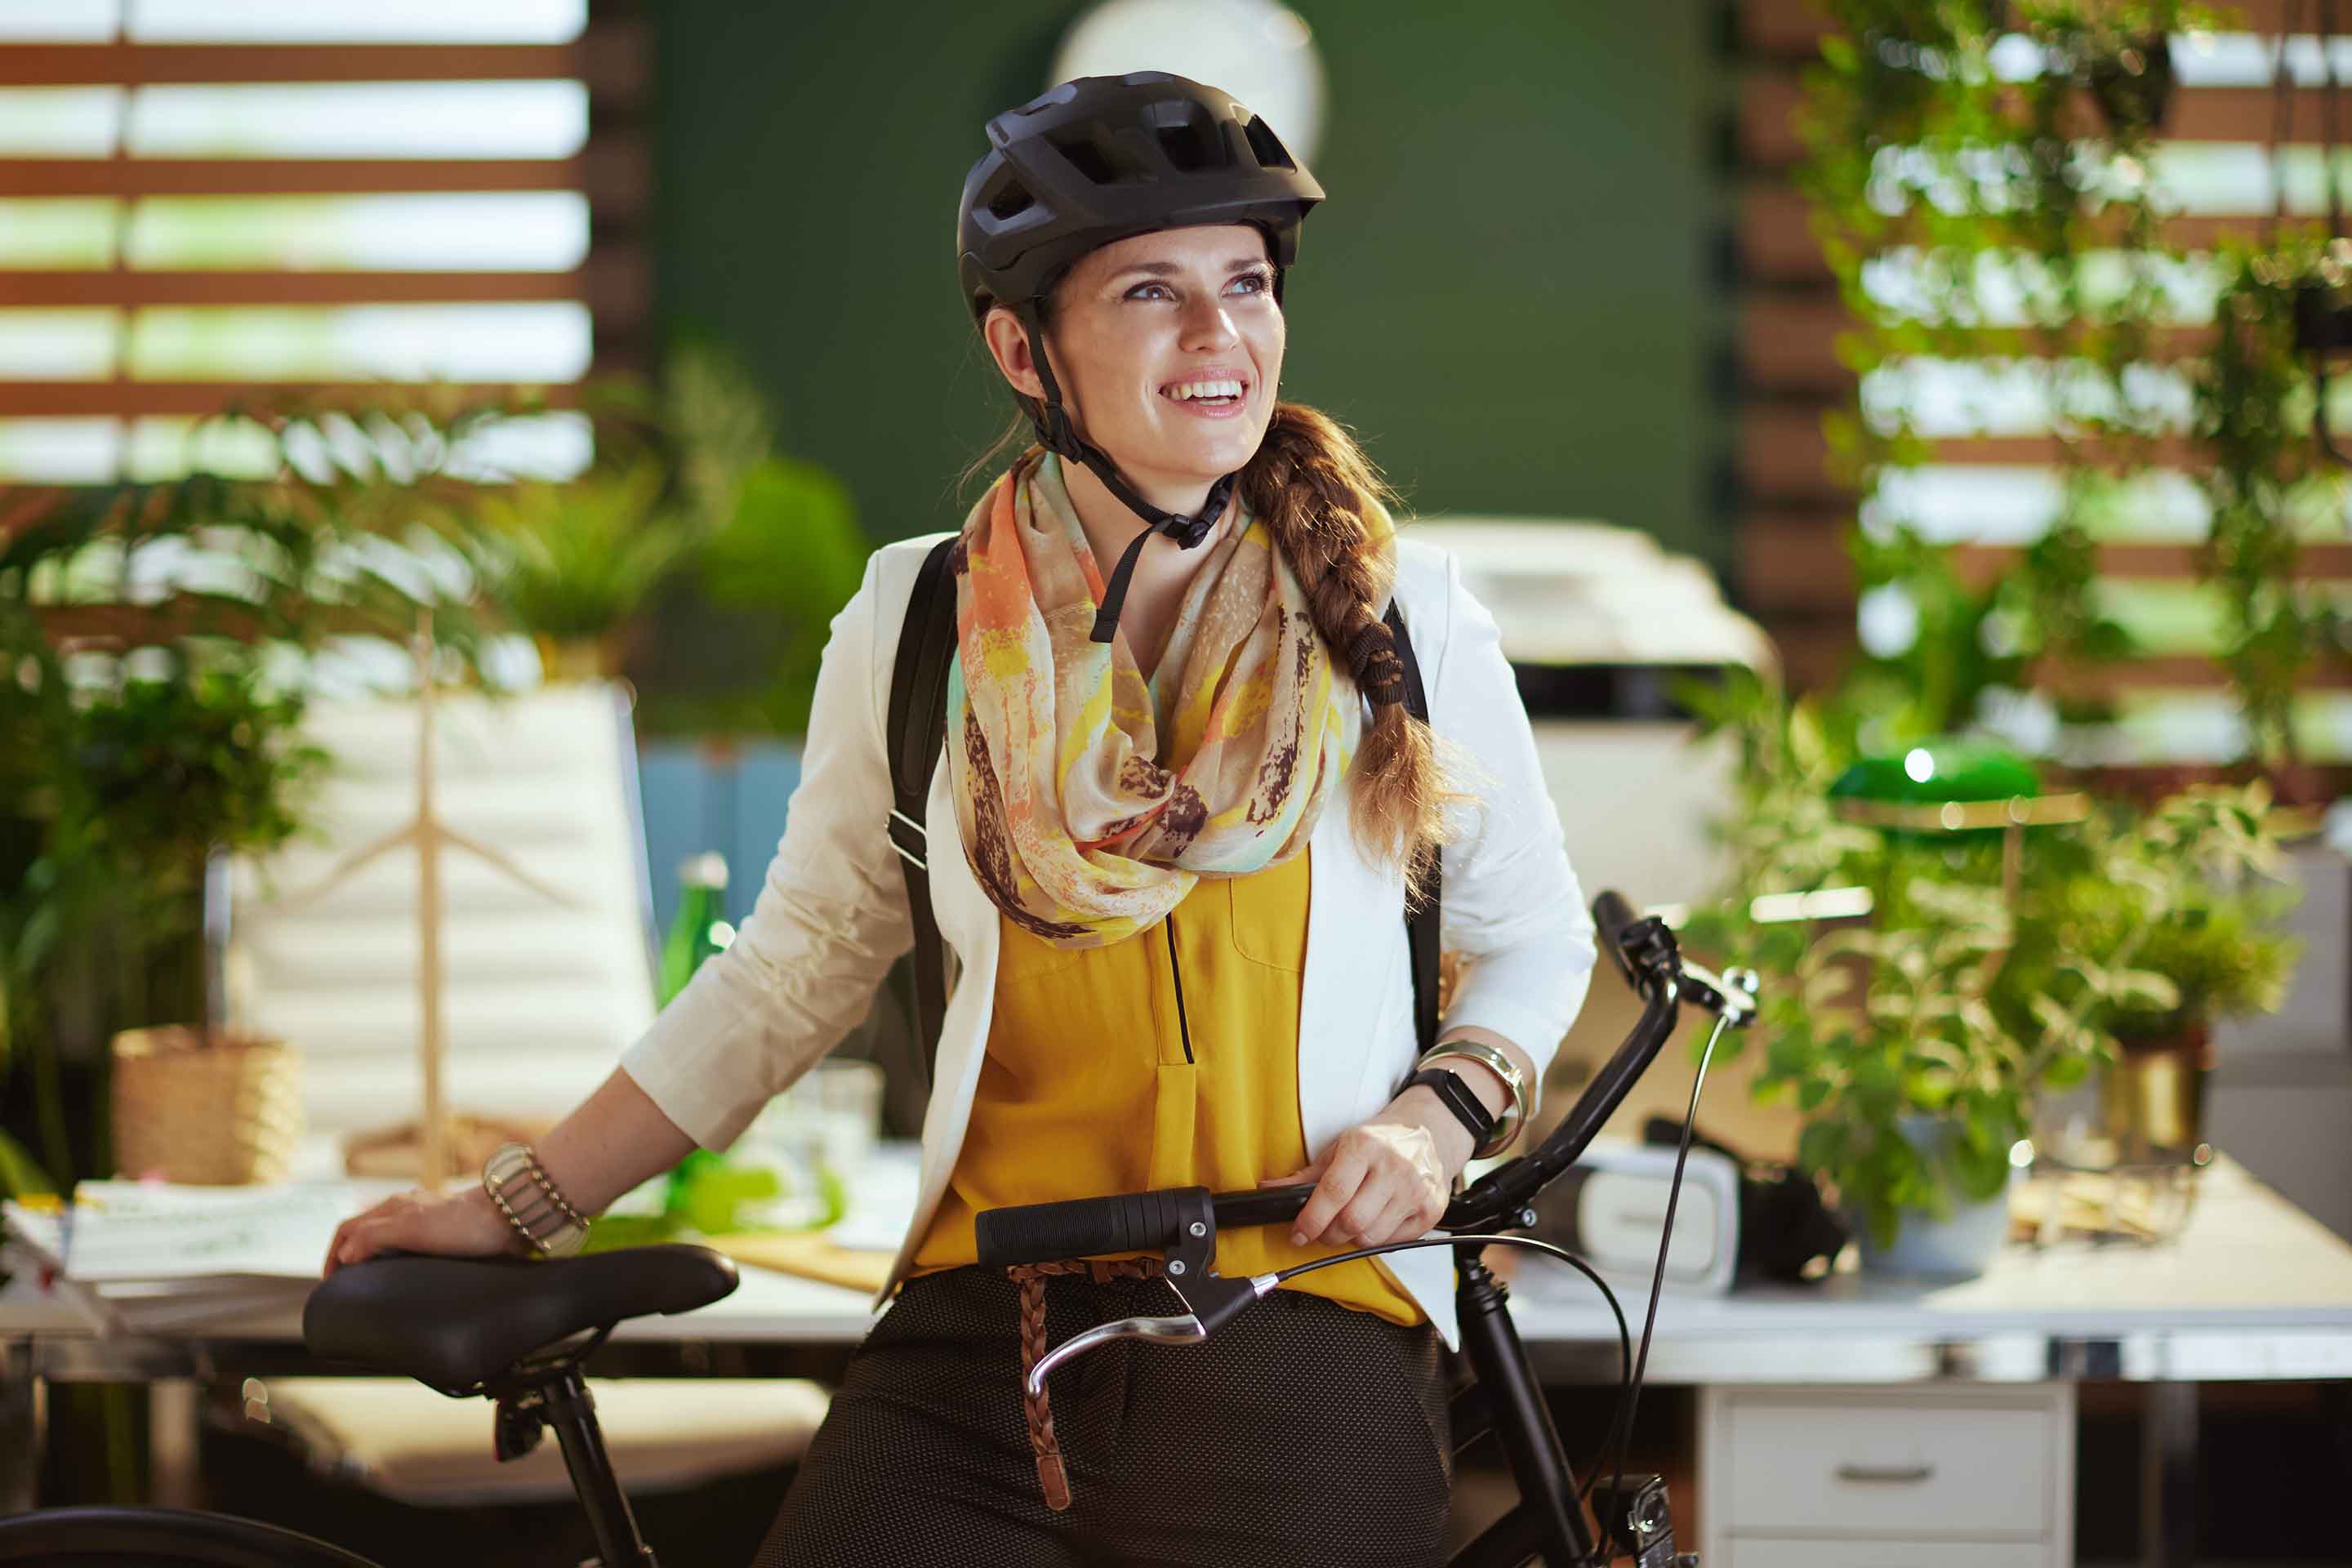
(1304, 1433)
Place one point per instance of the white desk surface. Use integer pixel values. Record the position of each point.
(2252, 1288)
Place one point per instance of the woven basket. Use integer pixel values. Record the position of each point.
(220, 1109)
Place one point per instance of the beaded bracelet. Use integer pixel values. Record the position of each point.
(540, 1202)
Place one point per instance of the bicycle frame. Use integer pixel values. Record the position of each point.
(1548, 1522)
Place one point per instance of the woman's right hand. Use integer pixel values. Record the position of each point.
(464, 1224)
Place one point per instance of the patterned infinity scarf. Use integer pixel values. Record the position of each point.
(1089, 800)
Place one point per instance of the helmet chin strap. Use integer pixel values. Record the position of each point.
(1059, 437)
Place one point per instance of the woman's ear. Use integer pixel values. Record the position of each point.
(1008, 343)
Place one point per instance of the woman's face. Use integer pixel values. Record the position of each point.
(1136, 324)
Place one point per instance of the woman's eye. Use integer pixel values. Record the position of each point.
(1259, 283)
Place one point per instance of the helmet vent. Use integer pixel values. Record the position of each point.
(1188, 137)
(1187, 149)
(1271, 154)
(1099, 161)
(1011, 201)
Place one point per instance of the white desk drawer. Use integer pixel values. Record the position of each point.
(1747, 1552)
(1888, 1466)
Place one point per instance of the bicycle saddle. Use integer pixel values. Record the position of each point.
(455, 1322)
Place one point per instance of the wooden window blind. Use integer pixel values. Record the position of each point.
(198, 201)
(1990, 485)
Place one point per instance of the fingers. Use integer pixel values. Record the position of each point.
(1341, 1180)
(365, 1240)
(1374, 1191)
(1394, 1222)
(366, 1234)
(1306, 1172)
(1366, 1221)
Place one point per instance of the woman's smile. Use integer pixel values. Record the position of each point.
(1210, 391)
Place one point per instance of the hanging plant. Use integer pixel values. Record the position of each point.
(2270, 481)
(1979, 179)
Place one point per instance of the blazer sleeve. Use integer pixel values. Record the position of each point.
(830, 919)
(1510, 900)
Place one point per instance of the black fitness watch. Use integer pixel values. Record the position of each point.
(1456, 1096)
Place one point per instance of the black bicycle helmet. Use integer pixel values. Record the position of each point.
(1094, 160)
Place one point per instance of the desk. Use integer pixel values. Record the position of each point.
(2252, 1289)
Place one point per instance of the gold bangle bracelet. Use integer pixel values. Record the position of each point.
(539, 1201)
(1514, 1116)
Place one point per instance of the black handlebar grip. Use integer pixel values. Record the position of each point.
(1612, 914)
(1081, 1227)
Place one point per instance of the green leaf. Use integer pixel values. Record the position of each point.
(1790, 1054)
(20, 1174)
(2065, 1072)
(1820, 1146)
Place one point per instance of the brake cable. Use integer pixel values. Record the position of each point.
(1658, 1277)
(1624, 1338)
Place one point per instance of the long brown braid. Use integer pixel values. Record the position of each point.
(1315, 490)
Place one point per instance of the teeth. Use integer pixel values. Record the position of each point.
(1192, 389)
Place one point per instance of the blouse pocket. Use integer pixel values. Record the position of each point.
(1267, 915)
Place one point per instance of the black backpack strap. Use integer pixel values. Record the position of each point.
(917, 735)
(1420, 927)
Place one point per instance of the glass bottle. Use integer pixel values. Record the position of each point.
(698, 929)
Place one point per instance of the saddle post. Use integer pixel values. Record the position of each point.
(536, 1398)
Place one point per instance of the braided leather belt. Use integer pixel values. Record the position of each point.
(1051, 1478)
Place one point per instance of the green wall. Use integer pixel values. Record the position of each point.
(1503, 294)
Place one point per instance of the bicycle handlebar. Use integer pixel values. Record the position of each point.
(1610, 915)
(1079, 1228)
(1644, 950)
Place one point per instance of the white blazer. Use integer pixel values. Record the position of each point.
(832, 914)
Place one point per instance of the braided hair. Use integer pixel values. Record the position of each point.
(1318, 494)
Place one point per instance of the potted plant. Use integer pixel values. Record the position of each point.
(688, 509)
(2195, 889)
(735, 637)
(158, 635)
(1915, 1028)
(180, 770)
(571, 562)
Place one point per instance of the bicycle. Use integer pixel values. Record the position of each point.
(517, 1332)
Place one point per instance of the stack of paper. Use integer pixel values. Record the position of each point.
(149, 1256)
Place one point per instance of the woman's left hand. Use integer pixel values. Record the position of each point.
(1385, 1180)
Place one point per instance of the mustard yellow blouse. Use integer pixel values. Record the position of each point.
(1170, 1059)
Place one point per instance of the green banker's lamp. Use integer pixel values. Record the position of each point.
(1966, 788)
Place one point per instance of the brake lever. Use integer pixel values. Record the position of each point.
(1184, 1331)
(1730, 996)
(1209, 1299)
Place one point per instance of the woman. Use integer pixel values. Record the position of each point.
(1208, 737)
